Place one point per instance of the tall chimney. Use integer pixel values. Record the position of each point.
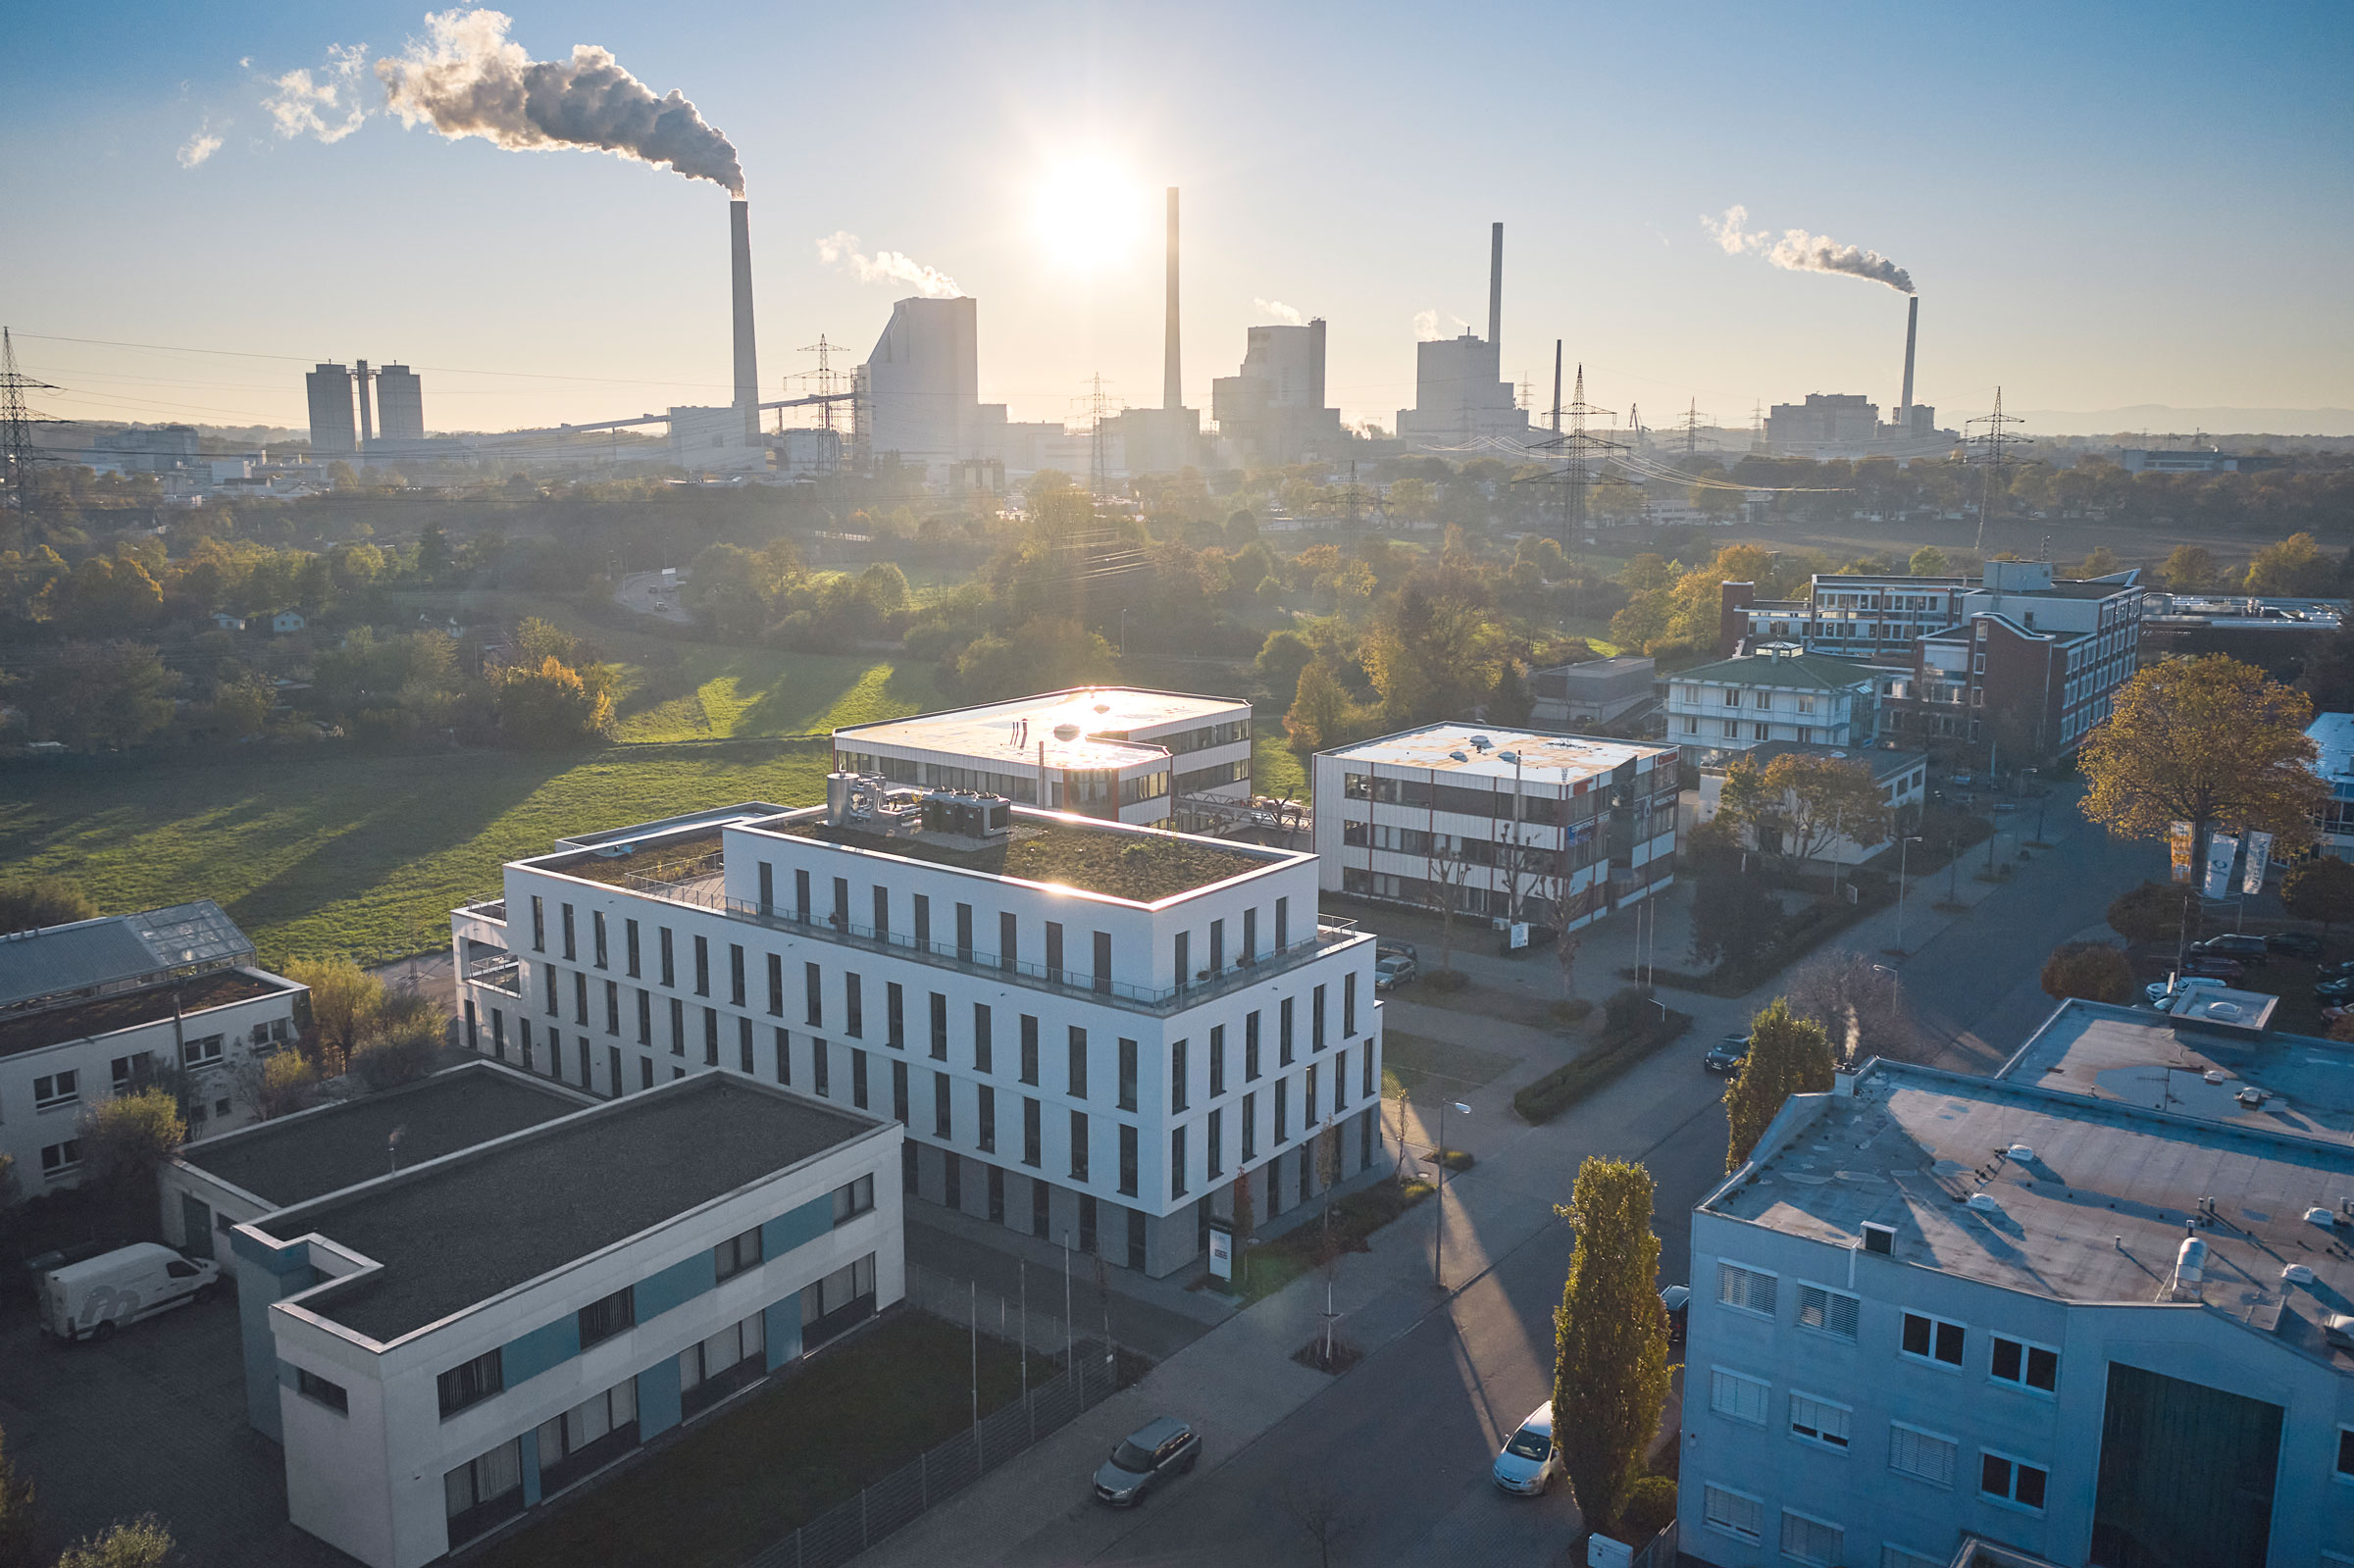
(1496, 295)
(1903, 410)
(360, 375)
(1172, 388)
(1315, 364)
(1556, 386)
(748, 366)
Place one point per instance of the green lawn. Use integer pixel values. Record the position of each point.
(1275, 768)
(780, 1458)
(718, 693)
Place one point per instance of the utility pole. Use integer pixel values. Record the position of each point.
(1690, 425)
(1993, 457)
(1581, 449)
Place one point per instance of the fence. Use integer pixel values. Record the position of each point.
(1089, 1374)
(1661, 1553)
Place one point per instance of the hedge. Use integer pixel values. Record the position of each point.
(1563, 1087)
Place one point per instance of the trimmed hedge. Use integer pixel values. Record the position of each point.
(1546, 1098)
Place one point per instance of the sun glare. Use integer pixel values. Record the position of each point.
(1088, 214)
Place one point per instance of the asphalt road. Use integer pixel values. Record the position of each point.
(644, 592)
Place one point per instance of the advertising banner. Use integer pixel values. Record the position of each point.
(2179, 838)
(1221, 1252)
(2260, 854)
(2222, 850)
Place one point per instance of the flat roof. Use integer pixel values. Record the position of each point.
(2093, 1213)
(2140, 1056)
(110, 1014)
(1142, 865)
(298, 1158)
(117, 951)
(482, 1221)
(1546, 755)
(1100, 720)
(741, 811)
(1762, 668)
(2332, 734)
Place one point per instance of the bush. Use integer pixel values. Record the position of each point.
(1648, 1508)
(129, 1136)
(398, 1057)
(1446, 979)
(2093, 971)
(1623, 1013)
(38, 901)
(1577, 1010)
(1565, 1086)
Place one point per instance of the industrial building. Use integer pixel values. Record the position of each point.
(920, 389)
(1090, 1032)
(1460, 395)
(2041, 1311)
(1116, 752)
(1825, 419)
(1168, 439)
(1778, 691)
(1272, 409)
(400, 403)
(107, 1006)
(459, 1341)
(334, 431)
(1508, 825)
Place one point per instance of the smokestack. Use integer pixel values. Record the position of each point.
(360, 375)
(1495, 294)
(1173, 390)
(747, 367)
(1903, 410)
(1556, 386)
(1315, 364)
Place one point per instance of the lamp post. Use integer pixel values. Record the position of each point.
(1903, 849)
(2037, 776)
(1438, 1230)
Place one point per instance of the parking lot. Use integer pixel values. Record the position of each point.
(151, 1421)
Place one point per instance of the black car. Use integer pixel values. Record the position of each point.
(1152, 1452)
(2246, 947)
(2340, 990)
(1727, 1054)
(2295, 944)
(2215, 965)
(2340, 970)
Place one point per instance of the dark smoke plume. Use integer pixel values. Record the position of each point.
(468, 78)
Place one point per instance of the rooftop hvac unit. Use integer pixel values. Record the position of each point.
(1880, 1238)
(971, 816)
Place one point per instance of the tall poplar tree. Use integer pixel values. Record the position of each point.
(1787, 1055)
(1611, 1373)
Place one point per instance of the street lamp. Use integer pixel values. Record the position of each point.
(1438, 1230)
(2040, 797)
(1903, 849)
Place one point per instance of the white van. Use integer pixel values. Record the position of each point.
(90, 1300)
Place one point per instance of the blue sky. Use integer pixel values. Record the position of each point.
(2102, 205)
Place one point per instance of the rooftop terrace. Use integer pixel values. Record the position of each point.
(1142, 866)
(30, 1031)
(460, 1231)
(2093, 1213)
(1098, 721)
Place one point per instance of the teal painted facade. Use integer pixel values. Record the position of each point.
(530, 1445)
(658, 1398)
(265, 1274)
(795, 1227)
(550, 1345)
(782, 1327)
(676, 1285)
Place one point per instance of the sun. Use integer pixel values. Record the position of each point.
(1088, 213)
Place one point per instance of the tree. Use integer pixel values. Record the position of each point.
(1787, 1055)
(1512, 702)
(1734, 913)
(2189, 568)
(1928, 562)
(1044, 653)
(1281, 659)
(2204, 740)
(125, 1138)
(1743, 800)
(1611, 1373)
(1823, 800)
(2099, 564)
(2320, 889)
(143, 1542)
(275, 1085)
(2295, 568)
(549, 706)
(96, 694)
(1860, 1004)
(2093, 971)
(1321, 716)
(433, 552)
(38, 901)
(20, 1528)
(344, 1004)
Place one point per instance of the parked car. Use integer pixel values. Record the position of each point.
(1727, 1054)
(2163, 993)
(1960, 779)
(2340, 990)
(2245, 946)
(2294, 943)
(1159, 1448)
(1391, 973)
(90, 1300)
(1397, 950)
(1677, 1299)
(1527, 1463)
(2214, 965)
(2337, 971)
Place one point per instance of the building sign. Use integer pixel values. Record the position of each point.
(1520, 934)
(2222, 850)
(2260, 854)
(2179, 836)
(1221, 1252)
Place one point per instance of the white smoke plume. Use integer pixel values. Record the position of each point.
(468, 78)
(1280, 312)
(841, 250)
(199, 146)
(1797, 251)
(1426, 326)
(327, 106)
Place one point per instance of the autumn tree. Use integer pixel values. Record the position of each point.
(20, 1526)
(550, 706)
(2099, 564)
(2207, 741)
(1928, 562)
(2152, 912)
(141, 1543)
(1821, 801)
(1045, 653)
(1321, 716)
(2295, 568)
(345, 1001)
(1860, 1004)
(2320, 889)
(275, 1085)
(1611, 1372)
(96, 696)
(36, 901)
(125, 1138)
(2093, 971)
(1787, 1055)
(2189, 568)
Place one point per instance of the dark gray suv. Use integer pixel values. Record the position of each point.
(1158, 1448)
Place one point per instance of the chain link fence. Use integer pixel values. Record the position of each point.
(1088, 1373)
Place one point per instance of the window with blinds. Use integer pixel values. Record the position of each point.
(1742, 1399)
(1818, 1420)
(1734, 1512)
(1746, 1289)
(1924, 1455)
(1830, 1312)
(1812, 1540)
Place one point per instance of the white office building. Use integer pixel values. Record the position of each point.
(1505, 824)
(457, 1342)
(100, 1007)
(1936, 1308)
(1780, 693)
(1090, 1030)
(1115, 753)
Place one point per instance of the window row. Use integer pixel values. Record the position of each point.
(1923, 1337)
(1914, 1451)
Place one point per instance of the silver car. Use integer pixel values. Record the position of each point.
(1158, 1448)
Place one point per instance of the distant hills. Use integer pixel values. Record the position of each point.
(2160, 419)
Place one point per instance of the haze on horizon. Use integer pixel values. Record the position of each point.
(2100, 207)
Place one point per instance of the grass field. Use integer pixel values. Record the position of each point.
(730, 693)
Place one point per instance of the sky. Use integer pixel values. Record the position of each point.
(2101, 205)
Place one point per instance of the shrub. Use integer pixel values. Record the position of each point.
(397, 1057)
(1648, 1508)
(2093, 971)
(130, 1134)
(1565, 1085)
(1577, 1010)
(38, 901)
(1622, 1014)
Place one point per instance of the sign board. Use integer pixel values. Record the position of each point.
(1604, 1552)
(1520, 934)
(2222, 850)
(2260, 854)
(2178, 838)
(1221, 1252)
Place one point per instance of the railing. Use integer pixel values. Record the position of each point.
(1089, 1374)
(489, 909)
(1661, 1552)
(499, 974)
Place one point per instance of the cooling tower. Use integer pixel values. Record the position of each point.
(747, 367)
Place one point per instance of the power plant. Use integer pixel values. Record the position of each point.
(1461, 396)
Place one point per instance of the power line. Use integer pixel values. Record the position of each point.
(1993, 457)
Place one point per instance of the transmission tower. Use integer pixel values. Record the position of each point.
(1634, 426)
(1690, 425)
(1993, 457)
(16, 454)
(1581, 449)
(823, 380)
(1099, 408)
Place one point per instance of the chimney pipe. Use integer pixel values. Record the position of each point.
(360, 375)
(1315, 364)
(747, 368)
(1903, 410)
(1172, 392)
(1556, 386)
(1496, 295)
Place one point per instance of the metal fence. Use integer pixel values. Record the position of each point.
(1087, 1374)
(1661, 1553)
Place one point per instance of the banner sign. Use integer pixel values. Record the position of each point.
(1221, 1252)
(2179, 838)
(2260, 854)
(2222, 850)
